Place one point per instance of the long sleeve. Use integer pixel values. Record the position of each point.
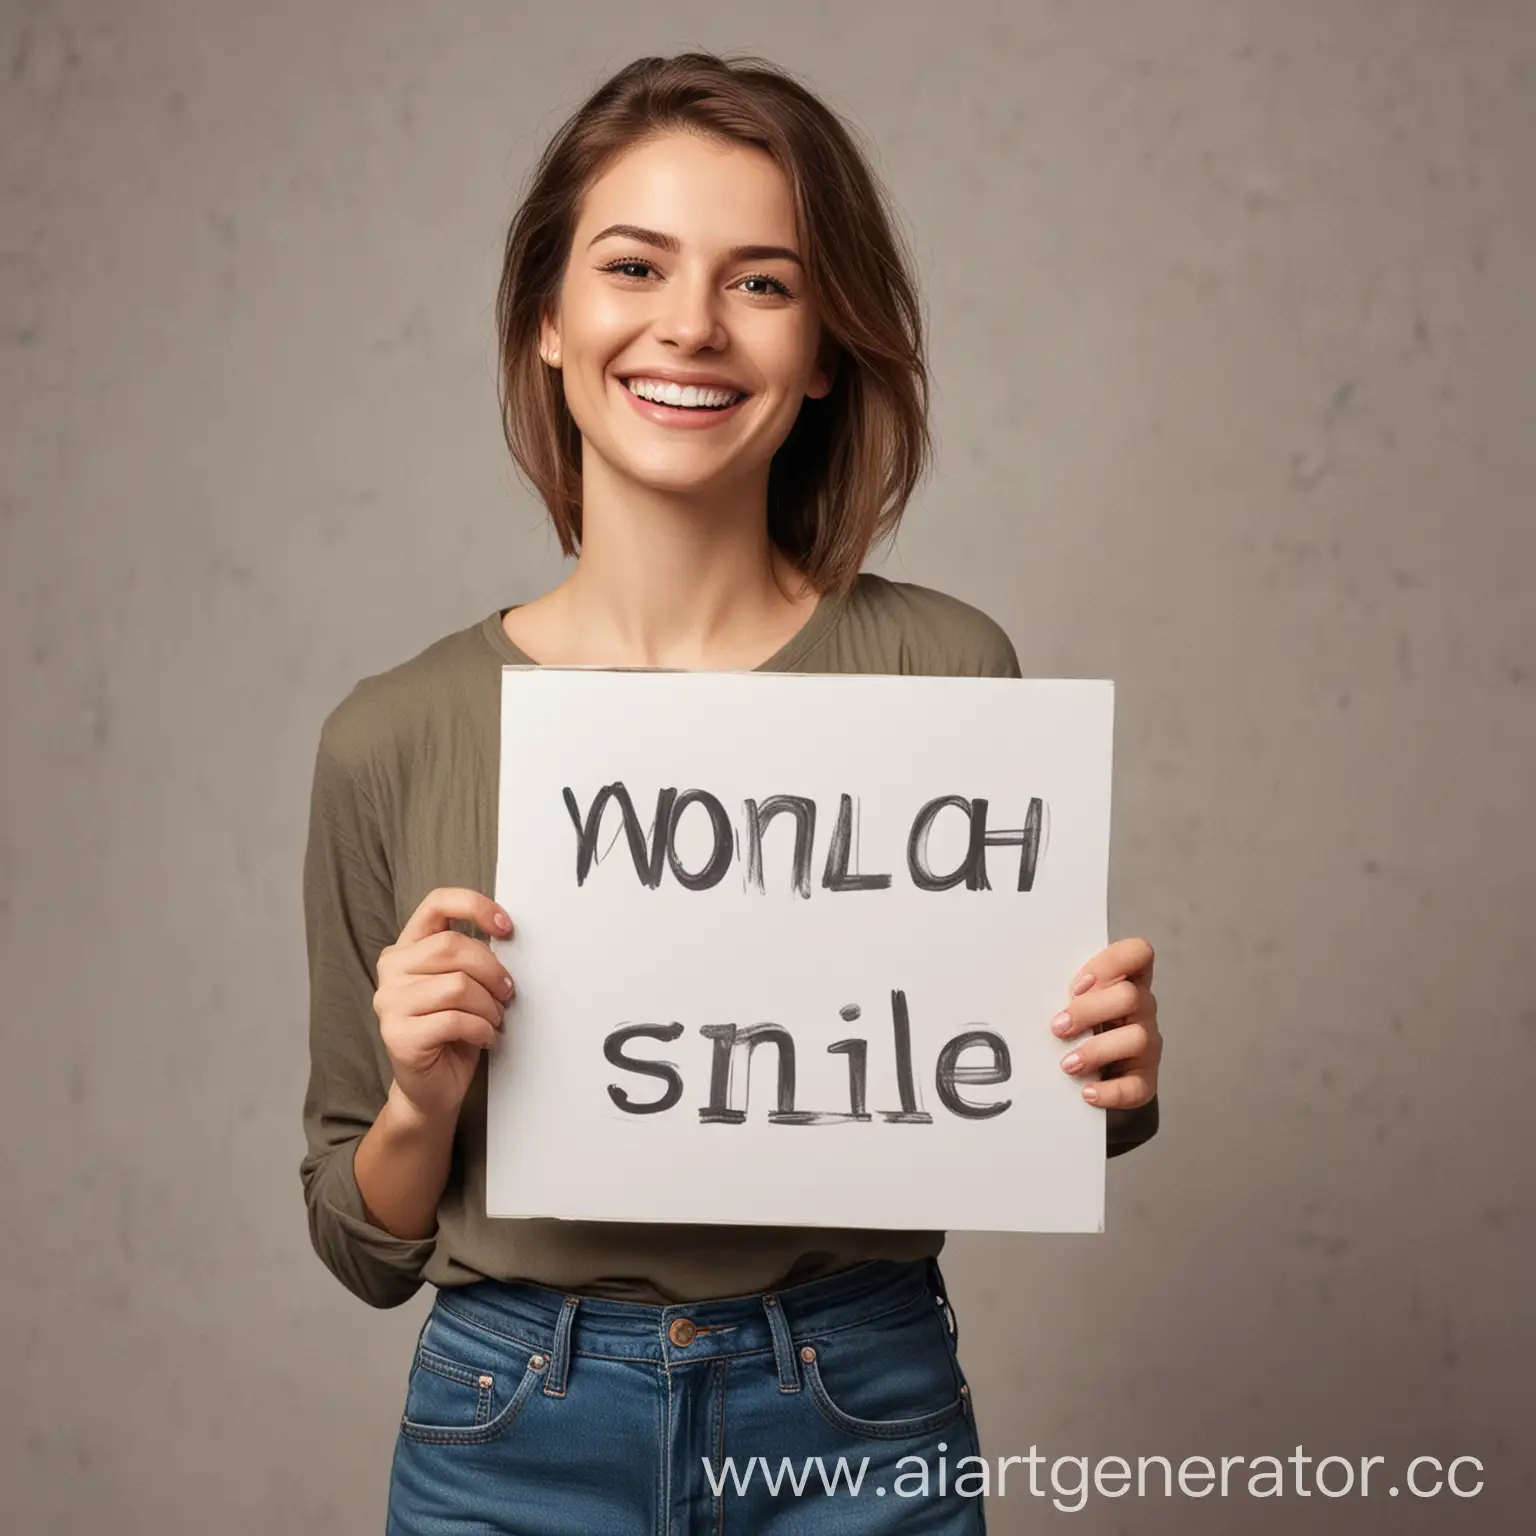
(349, 918)
(1127, 1128)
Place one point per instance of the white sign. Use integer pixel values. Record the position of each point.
(786, 948)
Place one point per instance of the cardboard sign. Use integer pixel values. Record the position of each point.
(786, 947)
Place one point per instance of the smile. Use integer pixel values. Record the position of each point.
(675, 405)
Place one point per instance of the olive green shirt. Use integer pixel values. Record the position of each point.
(404, 800)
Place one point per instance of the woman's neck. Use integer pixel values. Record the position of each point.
(667, 582)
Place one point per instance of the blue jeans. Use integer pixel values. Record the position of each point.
(834, 1408)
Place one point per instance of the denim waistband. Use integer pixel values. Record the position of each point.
(559, 1326)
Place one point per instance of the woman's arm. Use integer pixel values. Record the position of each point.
(349, 917)
(401, 1167)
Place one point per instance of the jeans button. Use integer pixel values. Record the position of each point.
(682, 1332)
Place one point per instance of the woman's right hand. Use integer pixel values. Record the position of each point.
(440, 999)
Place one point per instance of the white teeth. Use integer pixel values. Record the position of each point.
(685, 395)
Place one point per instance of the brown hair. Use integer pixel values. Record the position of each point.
(841, 479)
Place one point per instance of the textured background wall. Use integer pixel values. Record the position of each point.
(1232, 322)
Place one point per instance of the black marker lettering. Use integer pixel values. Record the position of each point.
(727, 1038)
(901, 1028)
(732, 1044)
(758, 816)
(857, 1052)
(720, 856)
(840, 850)
(613, 1053)
(973, 869)
(949, 1072)
(1026, 837)
(647, 860)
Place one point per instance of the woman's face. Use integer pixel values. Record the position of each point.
(700, 279)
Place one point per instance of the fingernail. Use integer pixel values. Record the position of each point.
(503, 922)
(1072, 1062)
(1082, 984)
(1062, 1022)
(1091, 1094)
(506, 985)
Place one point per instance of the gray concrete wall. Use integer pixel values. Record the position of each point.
(1232, 321)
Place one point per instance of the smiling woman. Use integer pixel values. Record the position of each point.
(701, 225)
(712, 375)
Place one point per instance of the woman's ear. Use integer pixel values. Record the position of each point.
(824, 374)
(549, 342)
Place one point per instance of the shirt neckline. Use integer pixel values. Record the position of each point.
(810, 634)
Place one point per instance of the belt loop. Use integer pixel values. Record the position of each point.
(560, 1355)
(783, 1345)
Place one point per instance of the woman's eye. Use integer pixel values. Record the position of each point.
(773, 282)
(637, 270)
(614, 266)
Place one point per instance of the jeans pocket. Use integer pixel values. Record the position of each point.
(466, 1387)
(892, 1378)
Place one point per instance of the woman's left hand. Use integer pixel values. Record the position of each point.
(1113, 994)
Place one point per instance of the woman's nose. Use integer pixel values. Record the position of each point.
(691, 315)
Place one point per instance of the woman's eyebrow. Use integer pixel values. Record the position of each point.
(673, 245)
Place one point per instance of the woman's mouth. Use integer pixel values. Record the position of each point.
(676, 405)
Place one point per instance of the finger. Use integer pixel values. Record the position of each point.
(1131, 958)
(444, 903)
(1128, 1092)
(1120, 1000)
(1125, 1043)
(423, 995)
(416, 1041)
(444, 951)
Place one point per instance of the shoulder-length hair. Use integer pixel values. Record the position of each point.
(840, 481)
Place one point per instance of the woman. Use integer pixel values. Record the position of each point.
(712, 373)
